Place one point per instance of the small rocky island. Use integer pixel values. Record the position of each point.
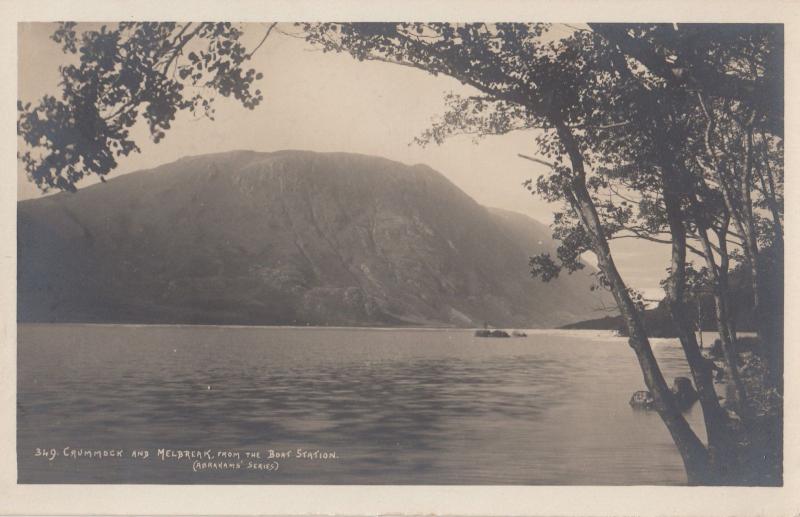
(499, 333)
(491, 333)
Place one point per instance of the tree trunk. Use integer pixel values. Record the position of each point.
(767, 180)
(724, 327)
(763, 318)
(765, 324)
(721, 446)
(694, 454)
(775, 330)
(741, 211)
(719, 279)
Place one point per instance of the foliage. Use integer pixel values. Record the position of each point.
(121, 74)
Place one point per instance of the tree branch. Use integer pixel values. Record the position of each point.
(269, 30)
(536, 160)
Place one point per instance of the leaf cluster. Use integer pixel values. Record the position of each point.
(119, 75)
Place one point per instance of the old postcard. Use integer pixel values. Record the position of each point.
(273, 258)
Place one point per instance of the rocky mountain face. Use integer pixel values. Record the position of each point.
(289, 238)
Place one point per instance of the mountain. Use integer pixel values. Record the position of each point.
(290, 237)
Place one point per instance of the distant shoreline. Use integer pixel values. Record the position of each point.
(277, 327)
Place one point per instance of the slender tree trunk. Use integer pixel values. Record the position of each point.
(726, 334)
(722, 273)
(774, 328)
(719, 279)
(769, 335)
(767, 180)
(751, 243)
(721, 446)
(768, 309)
(740, 209)
(694, 454)
(700, 320)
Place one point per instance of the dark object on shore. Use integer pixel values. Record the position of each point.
(519, 333)
(491, 333)
(642, 400)
(685, 394)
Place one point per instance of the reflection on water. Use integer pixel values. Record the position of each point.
(397, 406)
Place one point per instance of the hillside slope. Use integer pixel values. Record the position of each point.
(290, 237)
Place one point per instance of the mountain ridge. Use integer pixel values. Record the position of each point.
(289, 237)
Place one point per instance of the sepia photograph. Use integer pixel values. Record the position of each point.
(407, 253)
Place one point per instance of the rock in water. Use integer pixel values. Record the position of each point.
(685, 394)
(642, 400)
(491, 333)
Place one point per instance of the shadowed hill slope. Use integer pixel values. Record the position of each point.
(289, 237)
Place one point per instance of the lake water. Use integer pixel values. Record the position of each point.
(384, 406)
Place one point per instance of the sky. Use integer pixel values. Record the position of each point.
(330, 102)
